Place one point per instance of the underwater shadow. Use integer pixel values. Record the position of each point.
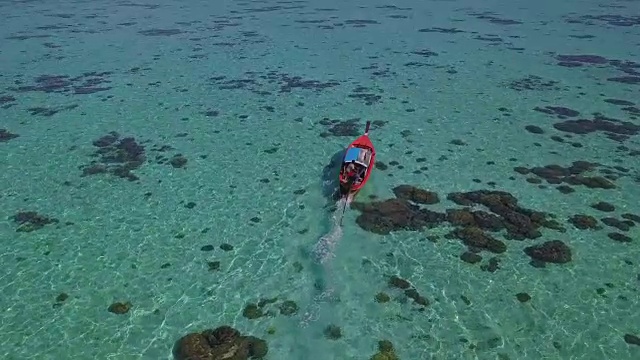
(330, 191)
(317, 261)
(330, 183)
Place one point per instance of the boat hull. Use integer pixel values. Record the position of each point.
(364, 145)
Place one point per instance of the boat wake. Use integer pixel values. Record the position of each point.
(323, 253)
(324, 249)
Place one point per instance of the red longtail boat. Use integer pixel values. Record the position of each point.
(357, 164)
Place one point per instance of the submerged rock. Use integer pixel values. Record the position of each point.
(415, 194)
(222, 343)
(554, 251)
(383, 217)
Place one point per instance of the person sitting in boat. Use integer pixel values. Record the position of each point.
(360, 173)
(351, 172)
(350, 168)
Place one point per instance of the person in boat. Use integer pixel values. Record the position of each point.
(360, 174)
(352, 173)
(350, 169)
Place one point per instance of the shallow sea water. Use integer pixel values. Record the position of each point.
(238, 111)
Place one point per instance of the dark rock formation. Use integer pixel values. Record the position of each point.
(223, 342)
(382, 217)
(417, 195)
(554, 251)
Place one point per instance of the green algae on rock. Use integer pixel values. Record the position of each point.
(252, 311)
(332, 332)
(382, 297)
(119, 308)
(385, 351)
(288, 308)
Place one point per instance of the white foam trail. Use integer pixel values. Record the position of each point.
(324, 249)
(323, 252)
(313, 313)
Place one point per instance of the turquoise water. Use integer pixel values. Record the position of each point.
(233, 105)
